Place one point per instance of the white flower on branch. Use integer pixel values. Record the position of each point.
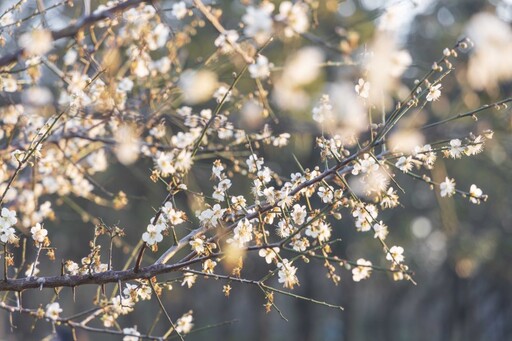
(365, 165)
(197, 245)
(260, 68)
(434, 92)
(295, 16)
(131, 334)
(404, 163)
(362, 88)
(322, 112)
(365, 216)
(287, 274)
(269, 254)
(475, 194)
(258, 22)
(242, 234)
(38, 233)
(53, 311)
(362, 270)
(381, 230)
(153, 235)
(210, 217)
(189, 279)
(179, 10)
(447, 187)
(226, 40)
(184, 324)
(456, 149)
(395, 254)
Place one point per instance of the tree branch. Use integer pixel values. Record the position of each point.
(73, 29)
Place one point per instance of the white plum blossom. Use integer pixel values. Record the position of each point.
(404, 163)
(258, 22)
(222, 94)
(426, 155)
(434, 92)
(395, 254)
(287, 274)
(323, 111)
(447, 187)
(38, 233)
(295, 16)
(189, 279)
(260, 68)
(362, 88)
(456, 150)
(242, 234)
(153, 234)
(184, 324)
(326, 194)
(284, 228)
(365, 165)
(197, 245)
(225, 40)
(131, 334)
(217, 169)
(362, 270)
(7, 218)
(475, 194)
(173, 216)
(365, 216)
(381, 230)
(254, 163)
(299, 214)
(269, 254)
(179, 10)
(476, 146)
(53, 311)
(210, 217)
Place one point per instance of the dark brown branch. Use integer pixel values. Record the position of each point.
(96, 278)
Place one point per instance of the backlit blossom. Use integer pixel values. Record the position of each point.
(53, 311)
(269, 254)
(295, 16)
(287, 274)
(258, 22)
(456, 149)
(242, 233)
(434, 92)
(362, 88)
(299, 214)
(184, 324)
(197, 245)
(38, 233)
(179, 9)
(362, 270)
(365, 216)
(153, 234)
(447, 187)
(260, 68)
(131, 334)
(225, 40)
(475, 194)
(395, 254)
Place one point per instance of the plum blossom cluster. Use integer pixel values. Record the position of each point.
(215, 133)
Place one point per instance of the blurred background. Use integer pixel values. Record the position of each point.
(460, 253)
